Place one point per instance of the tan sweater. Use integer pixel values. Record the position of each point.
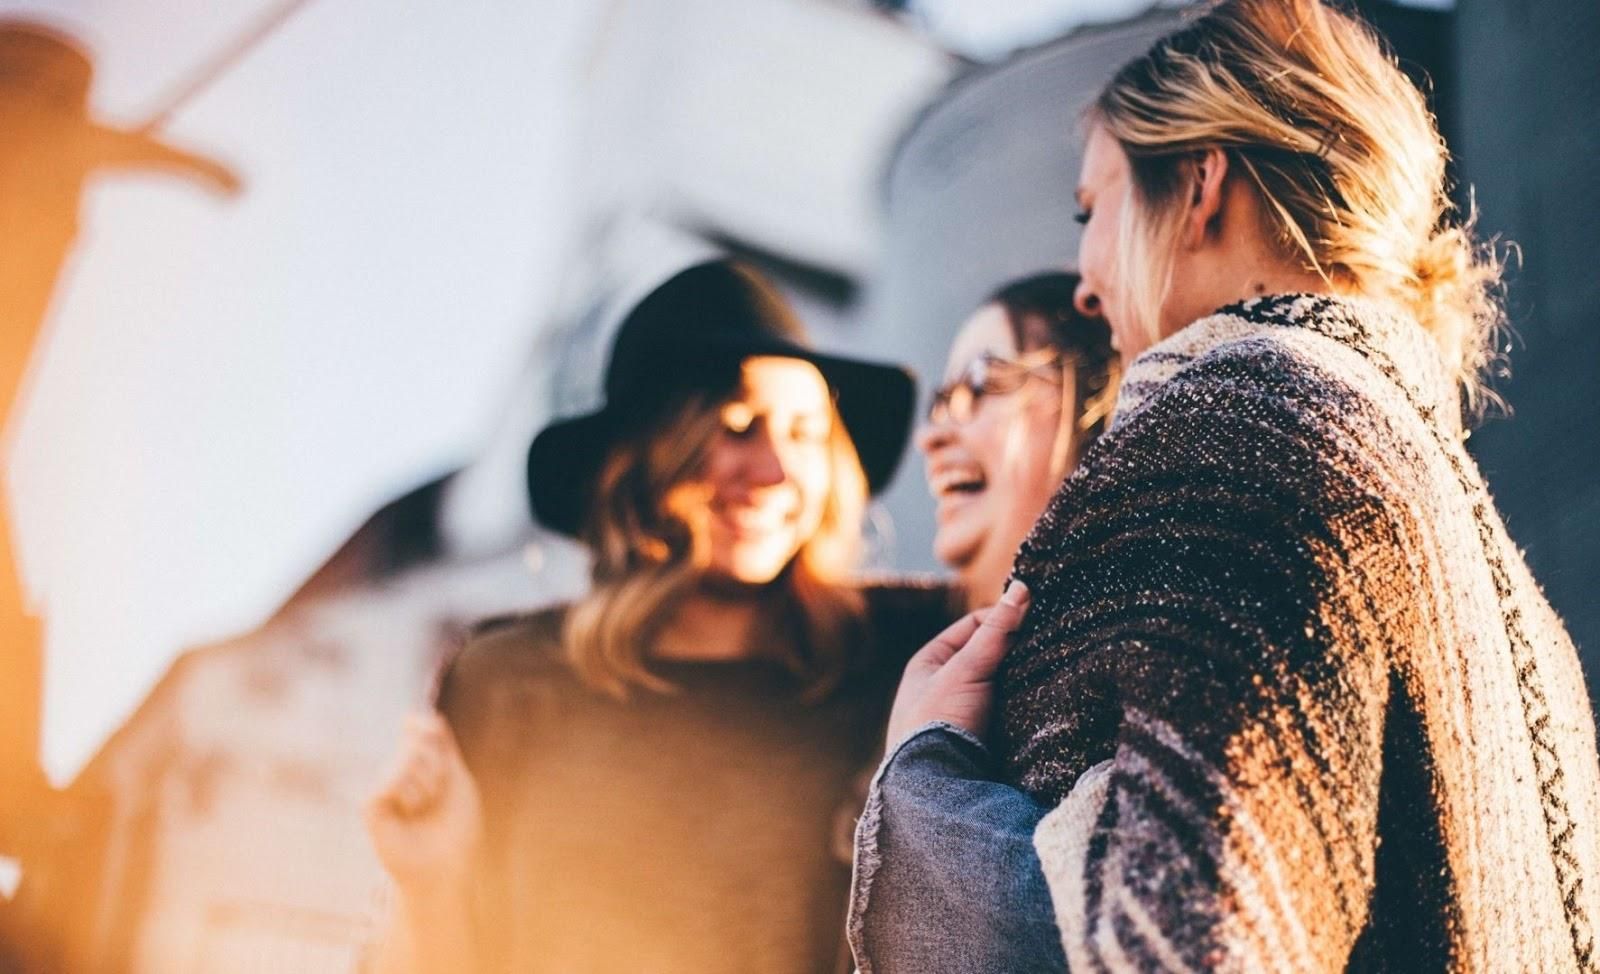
(1289, 686)
(705, 830)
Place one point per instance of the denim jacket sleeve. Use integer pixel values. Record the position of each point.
(946, 876)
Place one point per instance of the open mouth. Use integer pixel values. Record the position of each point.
(957, 482)
(754, 521)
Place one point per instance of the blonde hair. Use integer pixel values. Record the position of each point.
(1340, 148)
(649, 553)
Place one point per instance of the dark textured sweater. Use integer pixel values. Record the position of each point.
(1294, 697)
(704, 830)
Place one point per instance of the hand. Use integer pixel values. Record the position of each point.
(426, 819)
(950, 679)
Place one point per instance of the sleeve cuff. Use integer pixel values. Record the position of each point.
(942, 741)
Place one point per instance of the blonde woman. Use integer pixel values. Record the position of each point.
(1283, 694)
(656, 777)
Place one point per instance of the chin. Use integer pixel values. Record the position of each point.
(959, 539)
(955, 554)
(983, 572)
(754, 567)
(729, 586)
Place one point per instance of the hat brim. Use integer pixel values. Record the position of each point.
(875, 403)
(563, 462)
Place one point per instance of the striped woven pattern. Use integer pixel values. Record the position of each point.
(1293, 695)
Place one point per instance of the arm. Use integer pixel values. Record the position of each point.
(946, 877)
(425, 822)
(454, 877)
(1201, 687)
(432, 931)
(1239, 852)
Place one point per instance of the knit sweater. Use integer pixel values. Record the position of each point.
(1290, 689)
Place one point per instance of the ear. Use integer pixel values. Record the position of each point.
(1207, 176)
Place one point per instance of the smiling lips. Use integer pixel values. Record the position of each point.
(951, 484)
(754, 520)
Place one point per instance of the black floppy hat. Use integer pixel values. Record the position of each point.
(689, 335)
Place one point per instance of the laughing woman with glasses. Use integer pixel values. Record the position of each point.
(1030, 384)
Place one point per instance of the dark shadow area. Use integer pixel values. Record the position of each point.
(1528, 104)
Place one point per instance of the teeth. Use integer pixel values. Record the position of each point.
(755, 518)
(957, 479)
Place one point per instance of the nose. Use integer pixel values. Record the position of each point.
(932, 435)
(1085, 300)
(763, 463)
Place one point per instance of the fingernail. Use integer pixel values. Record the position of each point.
(1016, 593)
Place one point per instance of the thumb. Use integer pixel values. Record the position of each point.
(1006, 616)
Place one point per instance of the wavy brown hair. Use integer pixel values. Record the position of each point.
(649, 554)
(1338, 144)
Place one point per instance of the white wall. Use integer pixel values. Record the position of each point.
(231, 387)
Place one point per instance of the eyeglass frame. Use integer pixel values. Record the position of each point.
(975, 380)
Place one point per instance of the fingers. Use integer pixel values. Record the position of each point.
(422, 770)
(949, 642)
(980, 657)
(1006, 615)
(430, 727)
(430, 758)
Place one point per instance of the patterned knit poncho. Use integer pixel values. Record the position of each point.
(1289, 687)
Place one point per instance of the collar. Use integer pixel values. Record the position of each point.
(1396, 346)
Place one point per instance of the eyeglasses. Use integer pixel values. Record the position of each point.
(990, 375)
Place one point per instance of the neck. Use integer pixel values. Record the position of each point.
(1242, 262)
(1279, 281)
(1229, 283)
(712, 625)
(1247, 271)
(983, 578)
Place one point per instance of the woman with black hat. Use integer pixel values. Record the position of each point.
(660, 776)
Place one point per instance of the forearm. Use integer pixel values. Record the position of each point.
(946, 874)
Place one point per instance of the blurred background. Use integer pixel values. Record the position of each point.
(328, 264)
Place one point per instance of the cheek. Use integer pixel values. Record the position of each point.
(1097, 247)
(1023, 465)
(984, 439)
(1001, 434)
(993, 454)
(719, 466)
(814, 478)
(1094, 250)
